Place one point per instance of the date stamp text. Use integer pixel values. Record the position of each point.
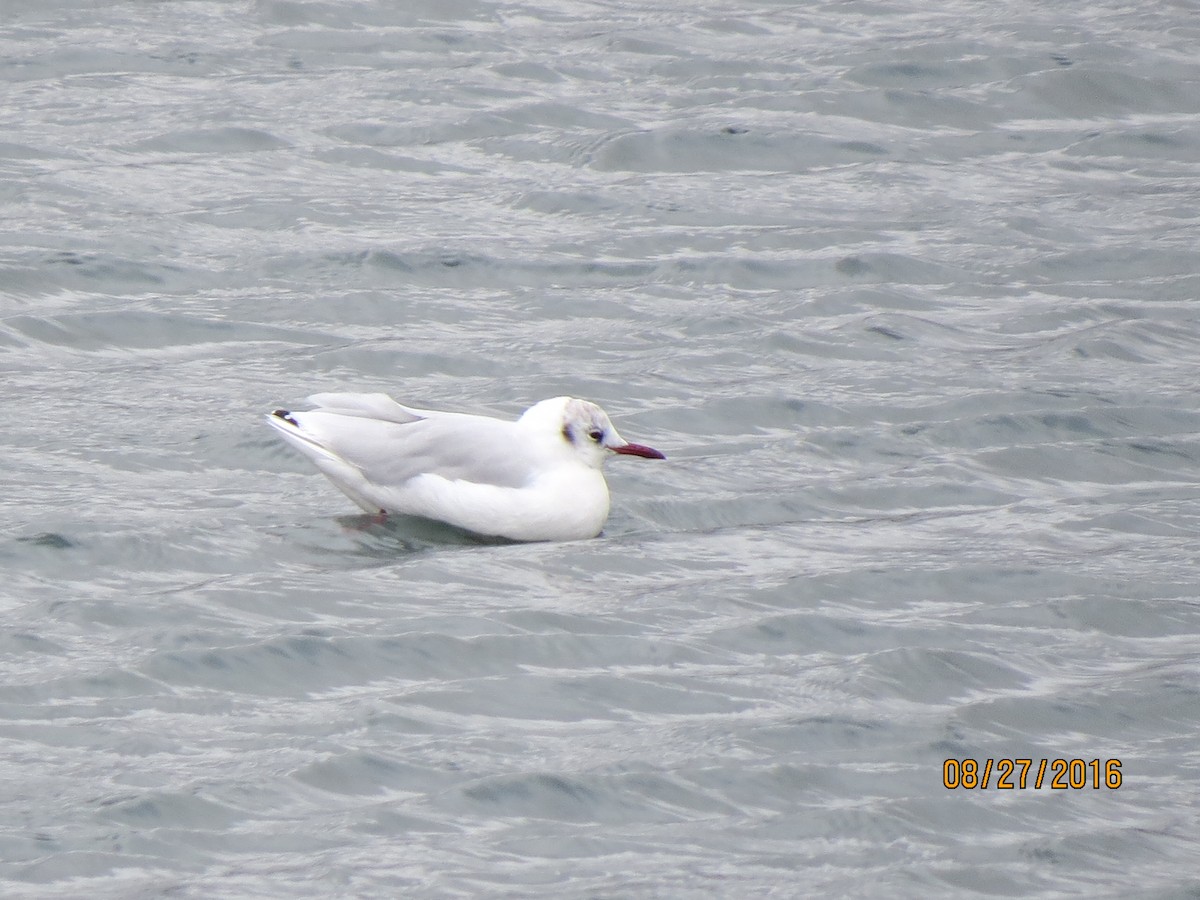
(1023, 774)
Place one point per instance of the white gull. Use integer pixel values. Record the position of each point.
(536, 479)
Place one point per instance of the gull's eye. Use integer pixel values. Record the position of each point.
(596, 435)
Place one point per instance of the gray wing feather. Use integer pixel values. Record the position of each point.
(367, 406)
(390, 449)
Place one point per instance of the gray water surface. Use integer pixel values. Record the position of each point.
(907, 294)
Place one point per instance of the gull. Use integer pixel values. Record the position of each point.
(536, 479)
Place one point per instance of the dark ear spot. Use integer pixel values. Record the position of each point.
(567, 436)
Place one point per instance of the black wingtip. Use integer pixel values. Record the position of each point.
(286, 416)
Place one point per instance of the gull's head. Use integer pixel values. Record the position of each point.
(586, 429)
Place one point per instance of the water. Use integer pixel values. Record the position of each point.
(907, 295)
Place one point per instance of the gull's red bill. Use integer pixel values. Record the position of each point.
(639, 450)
